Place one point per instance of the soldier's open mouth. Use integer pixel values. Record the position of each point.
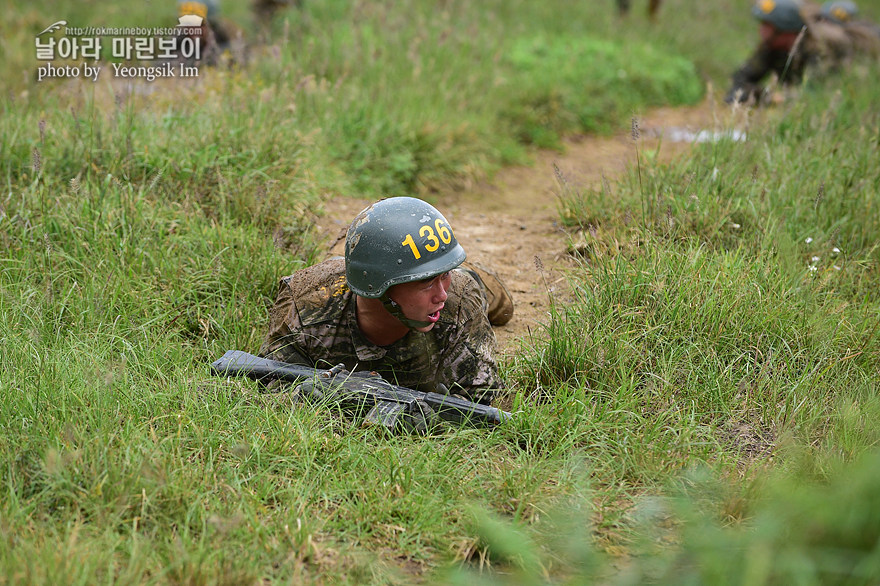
(434, 316)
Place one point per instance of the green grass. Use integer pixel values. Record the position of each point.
(703, 409)
(390, 101)
(591, 85)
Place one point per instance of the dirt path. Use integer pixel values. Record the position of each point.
(509, 222)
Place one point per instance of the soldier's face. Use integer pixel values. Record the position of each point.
(422, 300)
(767, 31)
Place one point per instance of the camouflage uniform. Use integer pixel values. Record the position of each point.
(218, 35)
(746, 81)
(314, 322)
(828, 46)
(865, 37)
(783, 50)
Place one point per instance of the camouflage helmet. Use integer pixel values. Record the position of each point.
(204, 8)
(785, 15)
(398, 240)
(840, 12)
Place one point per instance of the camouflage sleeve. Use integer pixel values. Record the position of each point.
(282, 342)
(745, 83)
(468, 361)
(865, 38)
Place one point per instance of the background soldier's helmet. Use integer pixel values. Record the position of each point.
(840, 12)
(785, 15)
(208, 9)
(398, 240)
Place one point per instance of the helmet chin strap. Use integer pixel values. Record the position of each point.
(394, 309)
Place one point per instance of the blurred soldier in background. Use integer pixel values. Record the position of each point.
(864, 36)
(829, 47)
(209, 44)
(782, 50)
(623, 7)
(219, 36)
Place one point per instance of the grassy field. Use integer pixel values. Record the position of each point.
(706, 411)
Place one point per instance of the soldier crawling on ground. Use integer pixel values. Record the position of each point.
(402, 302)
(785, 48)
(218, 36)
(795, 36)
(222, 38)
(862, 35)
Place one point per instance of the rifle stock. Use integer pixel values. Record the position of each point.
(361, 390)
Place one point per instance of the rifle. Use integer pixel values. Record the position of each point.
(394, 407)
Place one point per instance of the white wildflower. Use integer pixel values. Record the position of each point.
(808, 240)
(812, 268)
(835, 250)
(815, 259)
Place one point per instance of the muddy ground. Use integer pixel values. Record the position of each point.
(512, 220)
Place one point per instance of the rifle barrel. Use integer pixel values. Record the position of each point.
(238, 363)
